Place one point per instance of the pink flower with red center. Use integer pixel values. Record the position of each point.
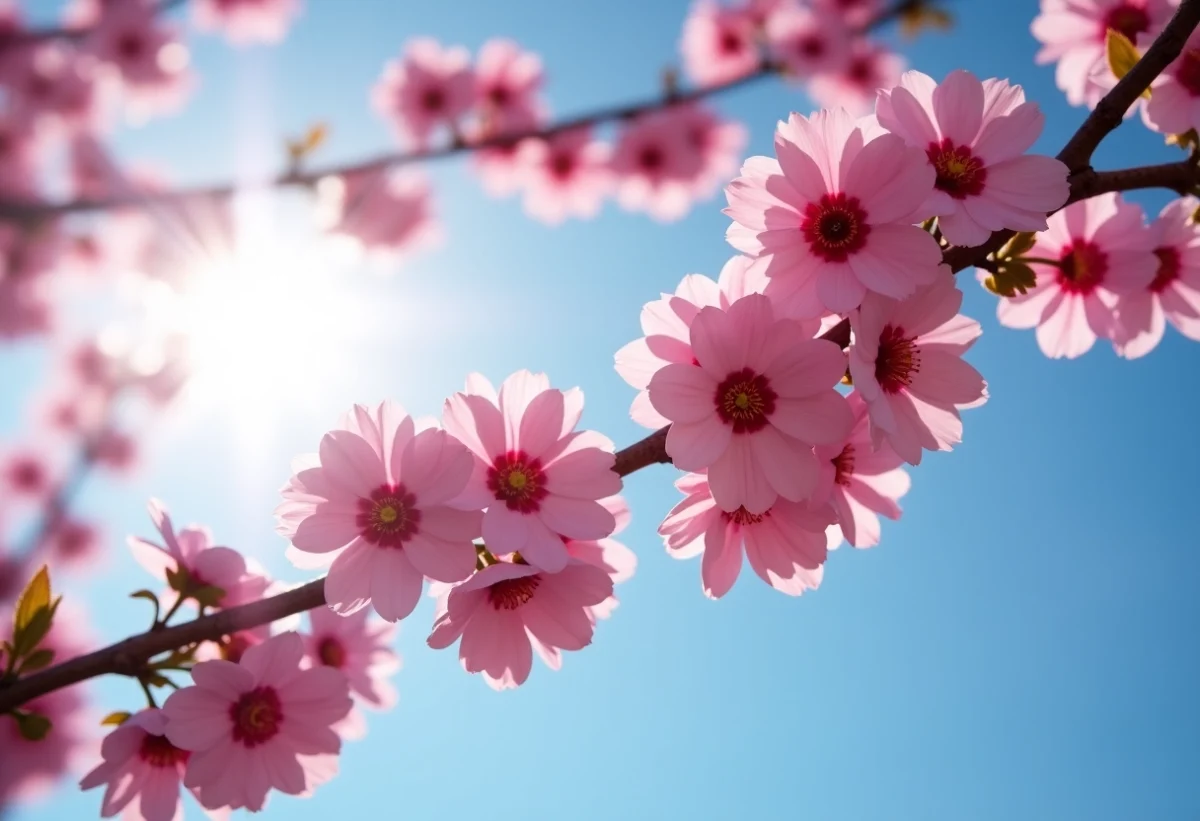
(430, 87)
(507, 83)
(975, 135)
(1103, 251)
(808, 41)
(1174, 105)
(114, 450)
(141, 770)
(506, 611)
(74, 543)
(53, 84)
(852, 12)
(863, 481)
(785, 543)
(719, 44)
(540, 479)
(1072, 32)
(389, 212)
(750, 406)
(564, 175)
(27, 473)
(906, 363)
(264, 723)
(378, 505)
(830, 220)
(1174, 293)
(719, 143)
(869, 67)
(246, 21)
(360, 647)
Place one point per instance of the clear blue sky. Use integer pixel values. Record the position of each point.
(1021, 645)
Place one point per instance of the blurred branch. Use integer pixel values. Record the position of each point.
(27, 37)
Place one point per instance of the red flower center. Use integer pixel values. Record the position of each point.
(331, 652)
(1188, 71)
(160, 753)
(518, 481)
(27, 474)
(731, 42)
(562, 166)
(862, 71)
(1081, 267)
(843, 463)
(812, 45)
(433, 100)
(1128, 19)
(898, 359)
(390, 517)
(131, 46)
(509, 594)
(651, 158)
(743, 517)
(256, 716)
(835, 227)
(959, 172)
(1168, 268)
(745, 401)
(499, 96)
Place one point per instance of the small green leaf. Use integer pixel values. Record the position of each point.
(1122, 55)
(115, 719)
(1020, 244)
(33, 727)
(148, 596)
(157, 680)
(1011, 279)
(178, 579)
(37, 660)
(27, 639)
(208, 595)
(35, 596)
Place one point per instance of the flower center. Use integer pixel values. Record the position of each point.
(811, 46)
(843, 463)
(1128, 19)
(389, 518)
(861, 71)
(331, 652)
(509, 594)
(1168, 268)
(27, 474)
(731, 43)
(651, 158)
(562, 166)
(131, 46)
(743, 517)
(256, 716)
(433, 100)
(959, 172)
(835, 227)
(1188, 71)
(898, 359)
(1081, 267)
(160, 753)
(500, 96)
(518, 481)
(745, 401)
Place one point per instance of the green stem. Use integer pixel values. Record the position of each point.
(146, 690)
(160, 623)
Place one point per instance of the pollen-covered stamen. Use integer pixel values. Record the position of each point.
(843, 466)
(1081, 267)
(959, 172)
(1128, 19)
(518, 481)
(745, 400)
(835, 227)
(898, 359)
(256, 716)
(389, 518)
(509, 594)
(158, 752)
(743, 517)
(1168, 268)
(331, 652)
(1188, 71)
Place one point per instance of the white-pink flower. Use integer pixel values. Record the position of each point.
(614, 558)
(719, 44)
(430, 87)
(507, 83)
(975, 135)
(246, 21)
(863, 481)
(808, 41)
(141, 770)
(1174, 104)
(752, 403)
(870, 67)
(1103, 250)
(785, 543)
(262, 724)
(377, 503)
(540, 479)
(360, 647)
(830, 220)
(390, 212)
(564, 175)
(906, 363)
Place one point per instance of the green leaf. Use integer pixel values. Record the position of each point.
(35, 596)
(1020, 244)
(208, 595)
(148, 596)
(116, 719)
(1122, 55)
(37, 660)
(1011, 279)
(157, 680)
(28, 638)
(33, 727)
(178, 579)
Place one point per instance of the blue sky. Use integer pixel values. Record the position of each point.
(1021, 645)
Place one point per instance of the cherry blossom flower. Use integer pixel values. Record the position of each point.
(975, 136)
(719, 143)
(870, 67)
(808, 41)
(260, 724)
(785, 543)
(1174, 104)
(19, 151)
(499, 168)
(1072, 32)
(429, 87)
(852, 12)
(53, 84)
(141, 770)
(376, 503)
(614, 558)
(94, 175)
(719, 44)
(507, 82)
(114, 450)
(1103, 251)
(756, 398)
(24, 308)
(539, 478)
(506, 611)
(389, 212)
(1174, 293)
(74, 543)
(564, 175)
(906, 363)
(361, 648)
(830, 220)
(863, 481)
(27, 472)
(246, 21)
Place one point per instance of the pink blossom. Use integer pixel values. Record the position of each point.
(51, 83)
(1072, 32)
(361, 648)
(863, 481)
(24, 308)
(1174, 104)
(1104, 251)
(564, 175)
(382, 211)
(114, 450)
(539, 478)
(785, 543)
(260, 724)
(808, 41)
(94, 175)
(19, 151)
(141, 770)
(377, 504)
(870, 67)
(719, 143)
(975, 136)
(499, 168)
(429, 87)
(614, 558)
(830, 220)
(506, 611)
(27, 472)
(718, 44)
(856, 13)
(906, 363)
(756, 398)
(507, 82)
(74, 542)
(246, 21)
(1174, 293)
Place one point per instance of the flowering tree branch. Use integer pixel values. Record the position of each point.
(27, 37)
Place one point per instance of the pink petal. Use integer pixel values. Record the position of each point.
(395, 585)
(683, 393)
(435, 467)
(348, 585)
(577, 518)
(541, 424)
(696, 446)
(439, 559)
(722, 561)
(351, 463)
(737, 481)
